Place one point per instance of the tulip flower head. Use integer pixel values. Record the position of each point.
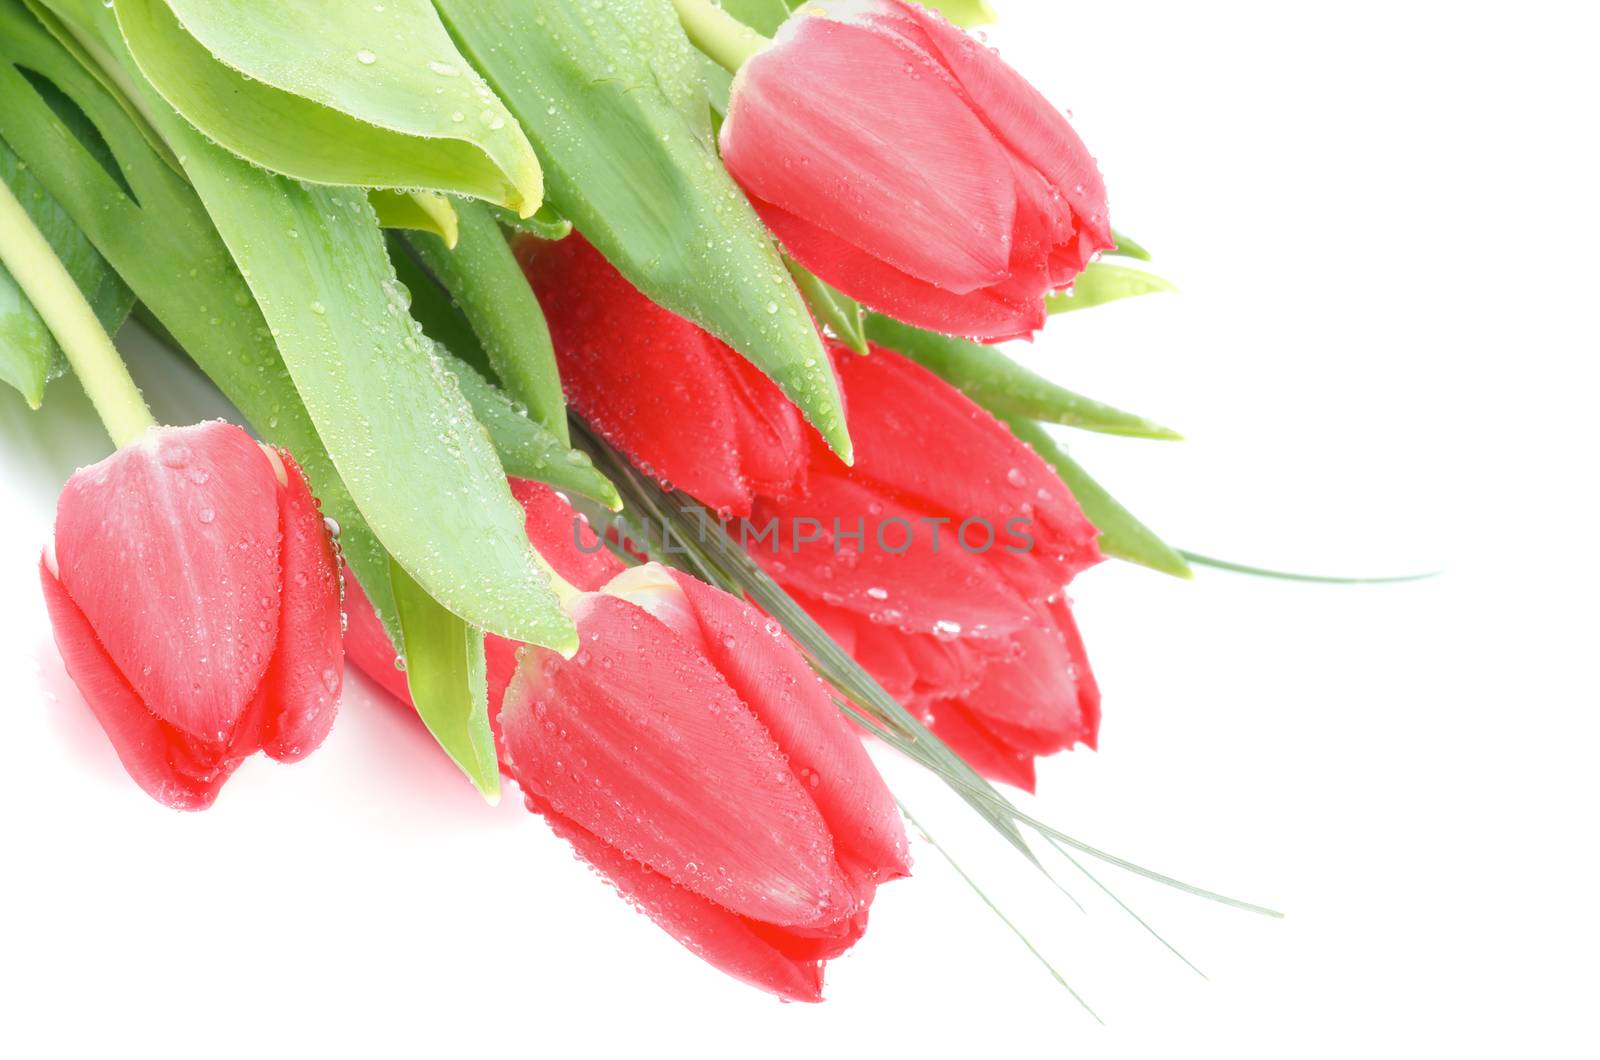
(688, 753)
(904, 163)
(195, 598)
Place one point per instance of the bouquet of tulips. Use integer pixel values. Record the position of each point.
(628, 407)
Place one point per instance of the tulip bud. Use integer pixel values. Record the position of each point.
(195, 598)
(689, 753)
(700, 764)
(908, 166)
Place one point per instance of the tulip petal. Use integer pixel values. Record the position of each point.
(1032, 694)
(1020, 116)
(903, 416)
(170, 549)
(173, 769)
(988, 314)
(713, 934)
(564, 538)
(301, 687)
(782, 690)
(981, 749)
(639, 740)
(367, 645)
(897, 575)
(681, 404)
(934, 199)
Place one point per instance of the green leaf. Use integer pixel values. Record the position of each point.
(612, 96)
(763, 16)
(418, 212)
(1101, 283)
(965, 12)
(1121, 535)
(1127, 248)
(838, 311)
(1004, 387)
(152, 229)
(396, 425)
(447, 678)
(484, 279)
(431, 306)
(29, 356)
(961, 12)
(526, 448)
(335, 93)
(545, 223)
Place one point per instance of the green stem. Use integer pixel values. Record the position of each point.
(726, 40)
(34, 265)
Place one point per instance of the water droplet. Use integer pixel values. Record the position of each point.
(365, 58)
(206, 515)
(444, 69)
(877, 593)
(1016, 477)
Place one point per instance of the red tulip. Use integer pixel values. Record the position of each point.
(691, 754)
(907, 165)
(688, 753)
(195, 599)
(644, 377)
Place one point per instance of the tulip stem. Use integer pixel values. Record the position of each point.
(727, 41)
(33, 264)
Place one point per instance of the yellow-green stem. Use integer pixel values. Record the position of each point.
(68, 315)
(726, 40)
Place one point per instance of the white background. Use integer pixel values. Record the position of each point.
(1382, 217)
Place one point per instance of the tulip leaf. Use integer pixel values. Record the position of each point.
(29, 356)
(526, 448)
(1004, 387)
(840, 312)
(335, 93)
(421, 211)
(1100, 283)
(545, 223)
(612, 96)
(483, 278)
(431, 306)
(965, 12)
(153, 230)
(961, 12)
(763, 16)
(396, 425)
(1121, 534)
(1127, 248)
(448, 680)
